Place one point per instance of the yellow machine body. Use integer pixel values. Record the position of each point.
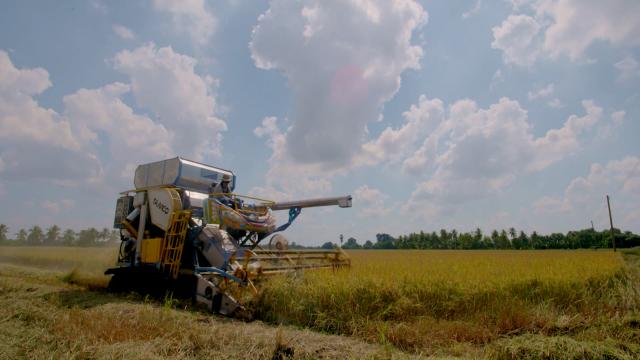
(151, 250)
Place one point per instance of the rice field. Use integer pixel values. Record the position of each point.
(439, 301)
(86, 264)
(92, 260)
(472, 270)
(495, 304)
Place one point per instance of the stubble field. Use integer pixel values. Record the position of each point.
(469, 304)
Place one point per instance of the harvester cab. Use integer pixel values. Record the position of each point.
(178, 231)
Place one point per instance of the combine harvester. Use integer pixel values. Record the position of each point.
(183, 228)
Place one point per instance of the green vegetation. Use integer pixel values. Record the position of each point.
(55, 236)
(504, 239)
(511, 239)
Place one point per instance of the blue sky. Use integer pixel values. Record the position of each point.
(432, 114)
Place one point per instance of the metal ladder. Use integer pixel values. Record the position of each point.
(174, 239)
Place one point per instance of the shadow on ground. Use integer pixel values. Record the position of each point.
(83, 299)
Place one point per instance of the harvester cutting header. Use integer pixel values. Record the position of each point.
(183, 226)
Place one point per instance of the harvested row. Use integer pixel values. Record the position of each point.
(43, 317)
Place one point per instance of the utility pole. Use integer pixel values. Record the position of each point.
(613, 238)
(341, 238)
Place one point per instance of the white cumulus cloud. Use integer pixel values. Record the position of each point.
(123, 32)
(584, 197)
(559, 143)
(165, 82)
(473, 11)
(475, 151)
(518, 39)
(98, 139)
(132, 138)
(370, 201)
(541, 92)
(565, 27)
(420, 120)
(286, 179)
(343, 61)
(555, 103)
(36, 142)
(628, 69)
(190, 16)
(576, 24)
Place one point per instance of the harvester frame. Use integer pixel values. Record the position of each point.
(179, 234)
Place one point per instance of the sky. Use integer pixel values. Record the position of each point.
(431, 114)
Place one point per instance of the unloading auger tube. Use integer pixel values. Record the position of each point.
(180, 232)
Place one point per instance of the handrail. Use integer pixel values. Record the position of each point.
(263, 207)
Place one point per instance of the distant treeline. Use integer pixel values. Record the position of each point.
(55, 236)
(505, 239)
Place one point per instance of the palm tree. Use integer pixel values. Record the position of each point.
(21, 237)
(53, 233)
(104, 234)
(35, 236)
(4, 229)
(69, 237)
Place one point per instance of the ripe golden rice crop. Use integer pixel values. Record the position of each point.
(478, 269)
(417, 299)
